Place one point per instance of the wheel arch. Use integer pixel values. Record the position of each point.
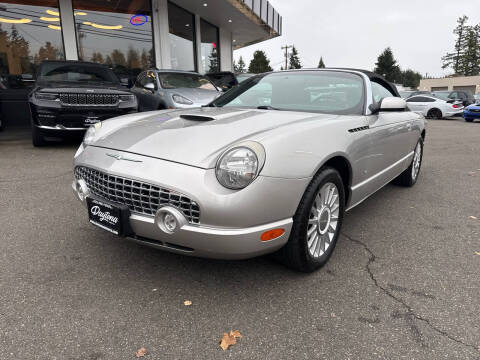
(344, 167)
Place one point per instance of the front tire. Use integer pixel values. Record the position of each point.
(409, 177)
(468, 120)
(316, 224)
(434, 114)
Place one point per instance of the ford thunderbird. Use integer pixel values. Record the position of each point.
(269, 167)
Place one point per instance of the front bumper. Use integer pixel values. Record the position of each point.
(231, 222)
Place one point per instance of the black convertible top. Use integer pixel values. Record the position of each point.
(375, 78)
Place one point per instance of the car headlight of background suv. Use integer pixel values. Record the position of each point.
(179, 99)
(127, 98)
(239, 166)
(47, 96)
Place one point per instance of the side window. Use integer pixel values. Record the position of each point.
(429, 99)
(414, 99)
(453, 95)
(138, 82)
(380, 92)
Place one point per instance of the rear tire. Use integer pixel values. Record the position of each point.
(316, 223)
(434, 114)
(37, 138)
(409, 177)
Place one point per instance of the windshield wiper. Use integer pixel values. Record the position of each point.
(266, 107)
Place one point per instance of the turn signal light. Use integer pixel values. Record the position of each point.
(272, 234)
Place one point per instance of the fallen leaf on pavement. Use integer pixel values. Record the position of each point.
(473, 217)
(141, 352)
(187, 303)
(229, 339)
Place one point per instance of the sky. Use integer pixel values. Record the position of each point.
(352, 33)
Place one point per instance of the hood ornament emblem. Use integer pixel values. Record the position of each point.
(121, 157)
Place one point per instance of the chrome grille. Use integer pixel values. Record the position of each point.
(88, 99)
(140, 197)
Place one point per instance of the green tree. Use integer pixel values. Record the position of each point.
(321, 64)
(386, 65)
(49, 52)
(118, 58)
(133, 58)
(97, 58)
(455, 59)
(259, 63)
(294, 61)
(470, 62)
(241, 67)
(214, 65)
(411, 79)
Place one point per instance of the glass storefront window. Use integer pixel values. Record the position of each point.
(210, 47)
(116, 33)
(30, 32)
(181, 35)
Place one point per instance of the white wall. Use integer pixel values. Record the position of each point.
(226, 50)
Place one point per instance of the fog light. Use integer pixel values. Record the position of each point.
(170, 222)
(170, 219)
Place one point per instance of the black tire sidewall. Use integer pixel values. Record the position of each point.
(298, 237)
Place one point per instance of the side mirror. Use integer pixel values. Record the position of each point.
(389, 104)
(149, 86)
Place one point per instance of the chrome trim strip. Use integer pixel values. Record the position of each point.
(59, 127)
(219, 231)
(381, 172)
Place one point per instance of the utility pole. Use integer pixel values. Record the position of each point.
(286, 47)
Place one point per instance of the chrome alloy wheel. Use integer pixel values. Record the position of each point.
(417, 159)
(323, 220)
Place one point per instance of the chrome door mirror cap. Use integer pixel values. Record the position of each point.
(149, 86)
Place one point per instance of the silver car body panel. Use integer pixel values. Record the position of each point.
(180, 154)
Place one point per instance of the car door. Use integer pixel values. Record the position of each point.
(418, 104)
(391, 139)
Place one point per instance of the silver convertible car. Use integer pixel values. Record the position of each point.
(269, 167)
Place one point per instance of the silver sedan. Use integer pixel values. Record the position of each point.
(270, 166)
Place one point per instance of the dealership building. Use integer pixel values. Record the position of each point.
(127, 35)
(452, 83)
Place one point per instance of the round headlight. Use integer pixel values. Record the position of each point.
(237, 168)
(91, 132)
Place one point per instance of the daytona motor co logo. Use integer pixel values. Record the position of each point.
(103, 216)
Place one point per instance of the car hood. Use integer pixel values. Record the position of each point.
(75, 87)
(198, 96)
(194, 137)
(474, 106)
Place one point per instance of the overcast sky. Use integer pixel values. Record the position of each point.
(352, 33)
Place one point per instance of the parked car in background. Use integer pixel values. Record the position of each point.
(70, 96)
(246, 176)
(409, 93)
(465, 97)
(434, 108)
(244, 76)
(472, 112)
(224, 80)
(173, 89)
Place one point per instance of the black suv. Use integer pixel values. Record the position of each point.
(465, 97)
(69, 96)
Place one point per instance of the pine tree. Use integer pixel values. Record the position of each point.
(213, 61)
(259, 63)
(386, 65)
(321, 64)
(294, 62)
(241, 66)
(454, 59)
(411, 79)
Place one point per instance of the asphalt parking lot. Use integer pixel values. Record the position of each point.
(403, 283)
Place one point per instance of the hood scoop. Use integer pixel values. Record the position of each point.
(197, 117)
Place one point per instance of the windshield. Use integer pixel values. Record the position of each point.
(327, 92)
(189, 81)
(76, 72)
(442, 95)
